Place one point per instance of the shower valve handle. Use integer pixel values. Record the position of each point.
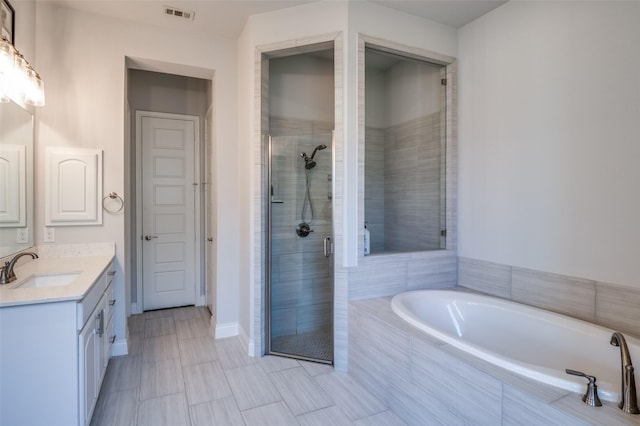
(328, 247)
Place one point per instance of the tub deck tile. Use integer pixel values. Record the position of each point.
(520, 409)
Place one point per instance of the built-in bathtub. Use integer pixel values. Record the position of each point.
(532, 342)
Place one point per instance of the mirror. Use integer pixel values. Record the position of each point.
(16, 179)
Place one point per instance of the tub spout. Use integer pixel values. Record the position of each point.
(629, 403)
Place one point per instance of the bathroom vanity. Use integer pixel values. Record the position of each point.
(55, 339)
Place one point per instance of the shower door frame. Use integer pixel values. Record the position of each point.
(332, 42)
(268, 277)
(255, 340)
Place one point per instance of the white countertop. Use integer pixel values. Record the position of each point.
(89, 267)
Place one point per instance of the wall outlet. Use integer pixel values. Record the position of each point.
(22, 235)
(49, 235)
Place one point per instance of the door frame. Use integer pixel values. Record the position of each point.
(199, 300)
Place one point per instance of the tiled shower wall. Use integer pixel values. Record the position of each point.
(403, 175)
(610, 305)
(301, 277)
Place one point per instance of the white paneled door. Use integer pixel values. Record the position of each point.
(169, 205)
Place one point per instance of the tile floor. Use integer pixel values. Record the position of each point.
(176, 374)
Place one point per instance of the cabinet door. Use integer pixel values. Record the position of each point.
(89, 361)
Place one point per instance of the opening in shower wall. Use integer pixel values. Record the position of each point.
(405, 153)
(300, 219)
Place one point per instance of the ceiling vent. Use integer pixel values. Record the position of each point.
(179, 13)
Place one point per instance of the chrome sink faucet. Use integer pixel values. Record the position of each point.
(629, 403)
(6, 272)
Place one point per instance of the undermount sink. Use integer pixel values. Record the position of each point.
(49, 280)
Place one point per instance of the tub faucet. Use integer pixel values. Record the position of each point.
(6, 272)
(629, 403)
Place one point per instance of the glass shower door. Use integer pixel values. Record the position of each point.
(300, 281)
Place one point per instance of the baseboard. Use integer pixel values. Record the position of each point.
(228, 329)
(120, 347)
(248, 344)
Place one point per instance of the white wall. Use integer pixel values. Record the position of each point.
(81, 58)
(549, 120)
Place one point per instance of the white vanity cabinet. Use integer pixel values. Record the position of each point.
(94, 342)
(53, 356)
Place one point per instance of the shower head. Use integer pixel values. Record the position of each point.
(318, 148)
(308, 161)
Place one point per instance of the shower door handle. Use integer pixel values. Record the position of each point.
(328, 247)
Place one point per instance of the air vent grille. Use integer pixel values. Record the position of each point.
(179, 13)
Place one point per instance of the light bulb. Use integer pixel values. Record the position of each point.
(6, 56)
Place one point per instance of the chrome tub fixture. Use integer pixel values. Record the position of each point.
(629, 403)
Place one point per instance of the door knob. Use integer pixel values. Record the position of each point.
(150, 237)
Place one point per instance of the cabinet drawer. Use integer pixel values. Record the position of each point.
(111, 303)
(88, 304)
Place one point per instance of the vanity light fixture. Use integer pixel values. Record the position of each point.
(18, 80)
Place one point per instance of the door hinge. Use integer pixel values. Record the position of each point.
(443, 81)
(443, 233)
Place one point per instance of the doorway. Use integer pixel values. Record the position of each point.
(176, 108)
(168, 171)
(299, 259)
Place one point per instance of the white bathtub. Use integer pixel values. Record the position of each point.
(532, 342)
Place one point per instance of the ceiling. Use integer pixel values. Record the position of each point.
(227, 17)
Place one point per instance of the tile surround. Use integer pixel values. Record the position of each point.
(610, 305)
(448, 386)
(572, 296)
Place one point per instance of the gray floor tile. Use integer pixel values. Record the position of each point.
(160, 326)
(333, 416)
(251, 387)
(161, 378)
(135, 344)
(160, 348)
(160, 313)
(170, 410)
(169, 380)
(205, 382)
(123, 373)
(386, 418)
(193, 327)
(136, 324)
(269, 415)
(349, 395)
(271, 363)
(231, 353)
(223, 411)
(316, 368)
(116, 409)
(301, 393)
(191, 312)
(197, 350)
